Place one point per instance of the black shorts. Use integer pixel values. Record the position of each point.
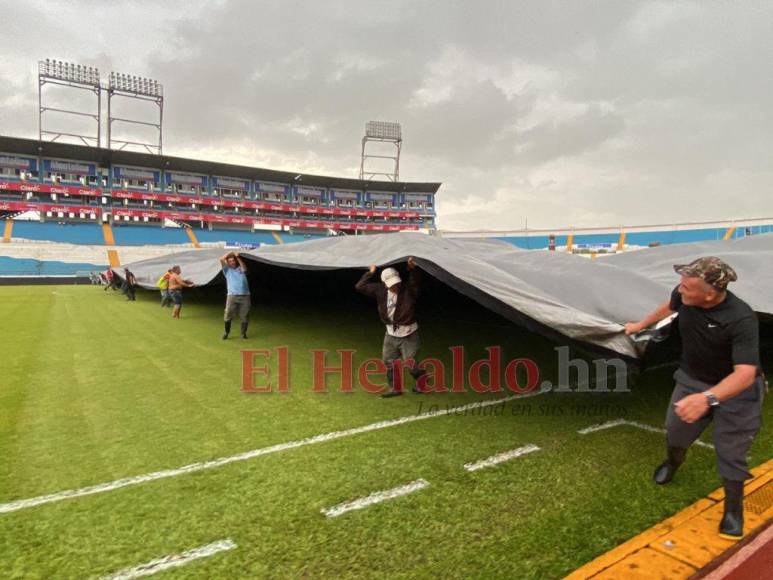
(176, 296)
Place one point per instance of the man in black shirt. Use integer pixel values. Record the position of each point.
(718, 378)
(131, 284)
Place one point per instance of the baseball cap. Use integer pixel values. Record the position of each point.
(390, 277)
(710, 269)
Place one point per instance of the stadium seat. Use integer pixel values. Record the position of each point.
(29, 267)
(90, 234)
(148, 236)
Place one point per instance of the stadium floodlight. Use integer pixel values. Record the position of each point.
(133, 84)
(78, 76)
(384, 132)
(139, 88)
(68, 72)
(71, 76)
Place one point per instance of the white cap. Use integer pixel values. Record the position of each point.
(390, 277)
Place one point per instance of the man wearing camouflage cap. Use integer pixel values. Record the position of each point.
(718, 379)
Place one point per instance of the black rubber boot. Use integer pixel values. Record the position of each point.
(666, 470)
(244, 329)
(417, 374)
(227, 326)
(731, 526)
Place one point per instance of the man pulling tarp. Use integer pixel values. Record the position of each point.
(718, 379)
(397, 309)
(237, 302)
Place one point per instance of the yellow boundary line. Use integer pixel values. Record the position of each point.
(107, 233)
(112, 255)
(8, 230)
(678, 546)
(112, 258)
(192, 237)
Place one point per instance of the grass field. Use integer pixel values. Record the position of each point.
(95, 389)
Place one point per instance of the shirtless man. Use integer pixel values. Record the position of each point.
(176, 285)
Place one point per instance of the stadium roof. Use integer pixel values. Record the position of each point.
(107, 157)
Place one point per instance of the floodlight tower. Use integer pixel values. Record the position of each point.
(141, 89)
(384, 132)
(74, 76)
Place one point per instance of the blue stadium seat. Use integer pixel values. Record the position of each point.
(135, 235)
(148, 235)
(291, 238)
(241, 237)
(88, 234)
(29, 267)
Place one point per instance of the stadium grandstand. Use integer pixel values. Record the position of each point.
(57, 193)
(77, 184)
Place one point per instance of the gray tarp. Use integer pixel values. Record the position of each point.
(751, 257)
(559, 295)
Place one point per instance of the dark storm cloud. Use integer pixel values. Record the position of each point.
(569, 112)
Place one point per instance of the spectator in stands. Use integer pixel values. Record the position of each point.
(163, 285)
(237, 302)
(397, 308)
(176, 285)
(131, 284)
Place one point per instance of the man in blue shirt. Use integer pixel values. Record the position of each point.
(237, 302)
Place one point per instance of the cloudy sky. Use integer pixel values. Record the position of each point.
(559, 113)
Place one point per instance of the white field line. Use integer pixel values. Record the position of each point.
(602, 426)
(375, 498)
(644, 426)
(172, 561)
(214, 463)
(500, 458)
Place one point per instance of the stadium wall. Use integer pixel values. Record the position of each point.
(635, 236)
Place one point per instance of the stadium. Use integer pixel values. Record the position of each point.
(139, 443)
